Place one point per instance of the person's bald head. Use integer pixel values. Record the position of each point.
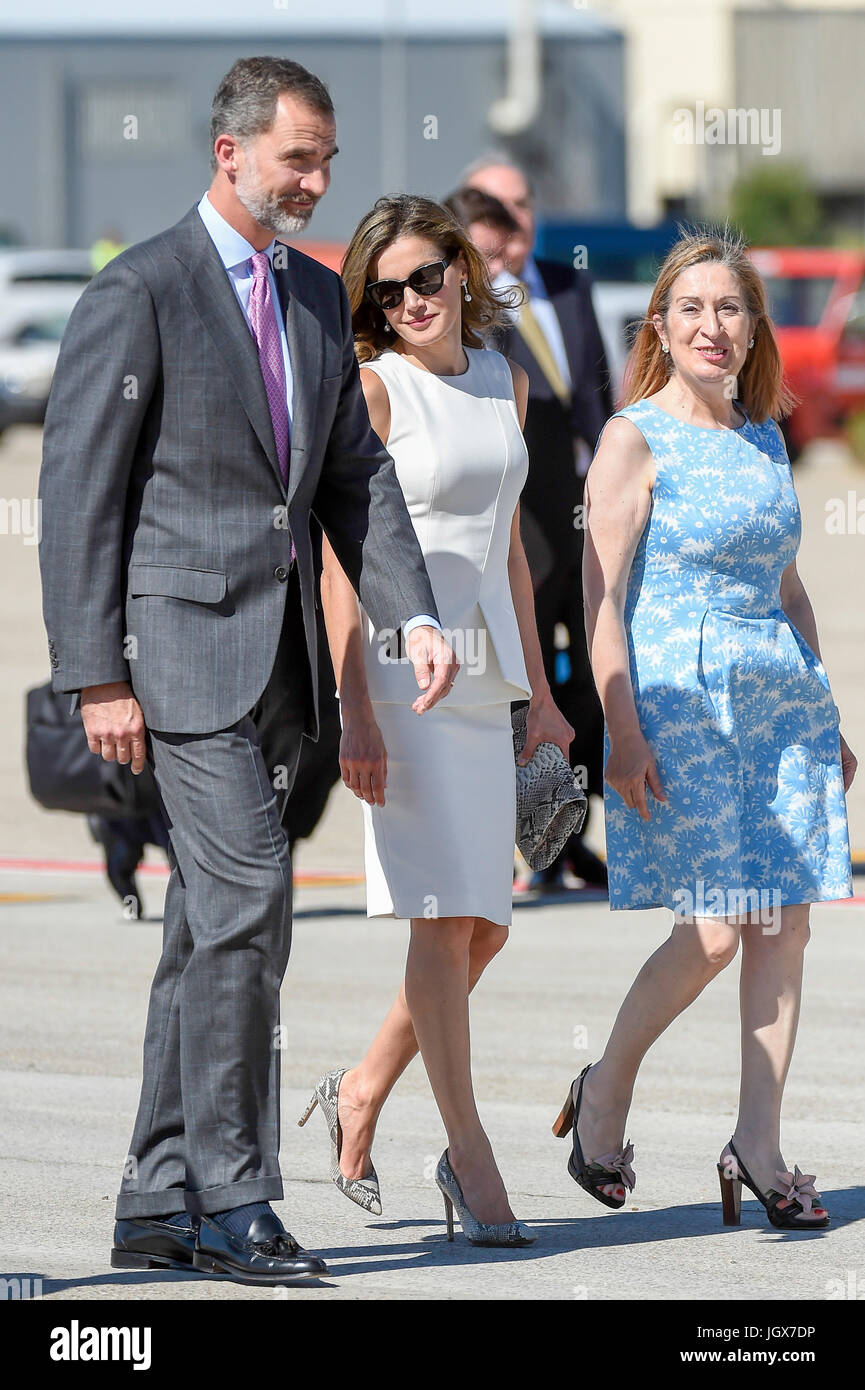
(510, 185)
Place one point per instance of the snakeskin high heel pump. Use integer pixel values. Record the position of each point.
(476, 1232)
(364, 1191)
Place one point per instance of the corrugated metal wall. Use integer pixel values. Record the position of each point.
(810, 65)
(70, 173)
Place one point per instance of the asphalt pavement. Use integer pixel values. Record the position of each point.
(74, 981)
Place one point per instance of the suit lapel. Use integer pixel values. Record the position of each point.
(558, 299)
(568, 309)
(212, 296)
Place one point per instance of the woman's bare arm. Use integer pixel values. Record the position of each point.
(544, 723)
(618, 501)
(797, 606)
(362, 755)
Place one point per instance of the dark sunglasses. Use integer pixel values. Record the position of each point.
(426, 280)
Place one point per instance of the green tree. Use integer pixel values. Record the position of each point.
(776, 205)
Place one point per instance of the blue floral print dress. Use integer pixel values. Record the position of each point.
(734, 704)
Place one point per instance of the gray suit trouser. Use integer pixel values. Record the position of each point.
(206, 1137)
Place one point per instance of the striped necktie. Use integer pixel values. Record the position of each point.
(266, 332)
(536, 341)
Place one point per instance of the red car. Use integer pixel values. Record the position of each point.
(817, 302)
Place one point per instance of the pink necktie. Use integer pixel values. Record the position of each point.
(264, 327)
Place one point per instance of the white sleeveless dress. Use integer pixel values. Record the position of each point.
(442, 845)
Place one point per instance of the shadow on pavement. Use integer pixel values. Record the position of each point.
(432, 1250)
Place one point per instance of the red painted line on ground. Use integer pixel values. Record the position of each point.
(310, 878)
(94, 866)
(72, 866)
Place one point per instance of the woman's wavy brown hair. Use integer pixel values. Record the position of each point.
(410, 214)
(761, 387)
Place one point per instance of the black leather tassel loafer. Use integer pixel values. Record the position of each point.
(146, 1243)
(267, 1254)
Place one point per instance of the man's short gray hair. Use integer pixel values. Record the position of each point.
(490, 160)
(245, 101)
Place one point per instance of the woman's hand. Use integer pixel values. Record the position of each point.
(629, 767)
(363, 758)
(545, 723)
(848, 763)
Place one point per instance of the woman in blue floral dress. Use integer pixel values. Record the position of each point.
(726, 772)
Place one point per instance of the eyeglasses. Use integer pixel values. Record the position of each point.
(426, 280)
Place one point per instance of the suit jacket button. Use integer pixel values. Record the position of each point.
(280, 573)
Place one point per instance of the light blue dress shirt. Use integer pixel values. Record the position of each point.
(236, 254)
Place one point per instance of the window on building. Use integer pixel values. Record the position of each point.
(125, 118)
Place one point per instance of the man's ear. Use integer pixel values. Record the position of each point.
(225, 148)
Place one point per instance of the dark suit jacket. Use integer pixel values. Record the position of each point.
(166, 528)
(553, 488)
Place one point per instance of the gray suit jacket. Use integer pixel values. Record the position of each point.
(166, 529)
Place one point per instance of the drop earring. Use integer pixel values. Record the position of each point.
(751, 344)
(466, 296)
(664, 347)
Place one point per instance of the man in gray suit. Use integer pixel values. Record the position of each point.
(206, 401)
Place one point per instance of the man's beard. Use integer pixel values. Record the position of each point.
(266, 208)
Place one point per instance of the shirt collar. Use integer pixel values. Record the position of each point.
(233, 248)
(532, 277)
(501, 284)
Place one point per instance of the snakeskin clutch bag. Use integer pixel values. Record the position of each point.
(550, 805)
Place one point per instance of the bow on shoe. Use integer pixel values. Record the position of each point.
(801, 1188)
(621, 1163)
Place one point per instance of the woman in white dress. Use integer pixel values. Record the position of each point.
(438, 790)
